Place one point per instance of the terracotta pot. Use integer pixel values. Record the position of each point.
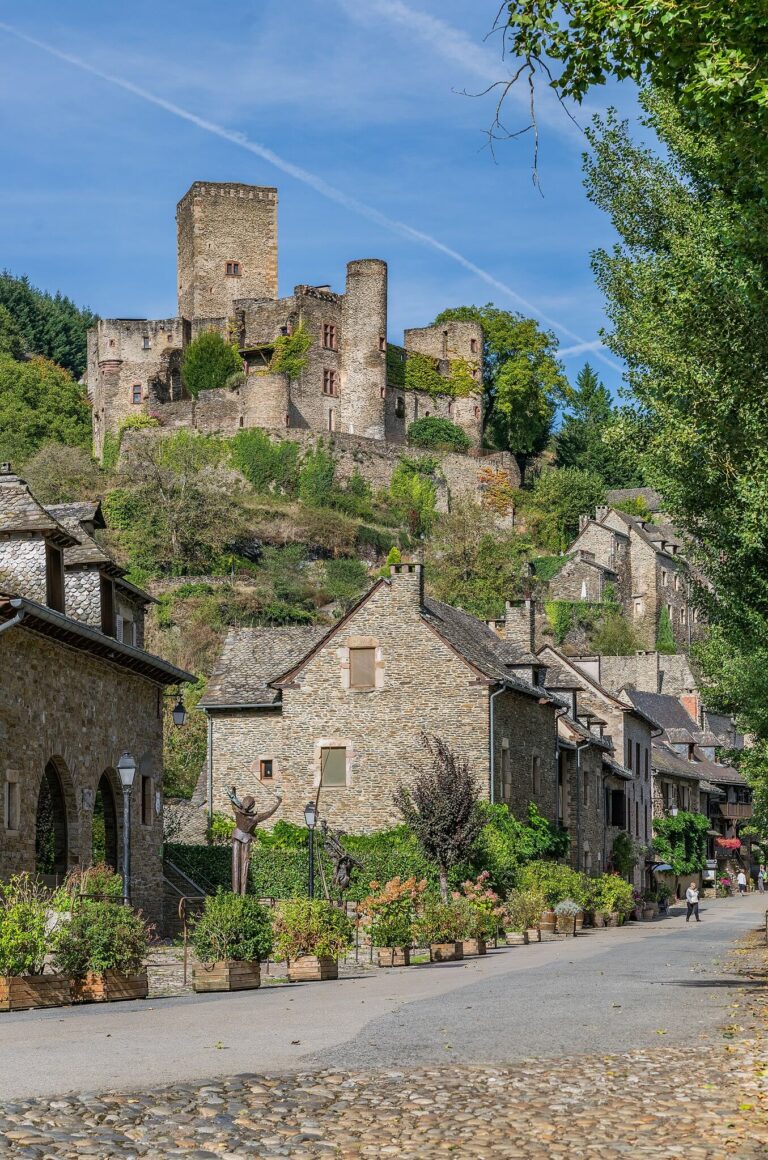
(612, 918)
(474, 946)
(548, 920)
(394, 956)
(445, 952)
(517, 938)
(110, 987)
(649, 912)
(310, 968)
(534, 934)
(23, 992)
(227, 975)
(598, 919)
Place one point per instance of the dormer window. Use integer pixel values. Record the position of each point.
(54, 577)
(232, 269)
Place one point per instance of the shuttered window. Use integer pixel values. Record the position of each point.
(362, 668)
(333, 766)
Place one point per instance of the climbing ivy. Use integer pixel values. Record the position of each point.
(681, 841)
(290, 356)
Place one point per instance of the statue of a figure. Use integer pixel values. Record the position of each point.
(246, 821)
(343, 862)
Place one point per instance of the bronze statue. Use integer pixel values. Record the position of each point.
(343, 862)
(246, 821)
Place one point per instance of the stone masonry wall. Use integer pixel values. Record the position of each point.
(364, 349)
(57, 703)
(527, 771)
(22, 566)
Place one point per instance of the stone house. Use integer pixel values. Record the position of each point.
(74, 695)
(352, 380)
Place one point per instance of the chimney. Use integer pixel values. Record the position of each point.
(407, 580)
(601, 512)
(520, 624)
(690, 702)
(583, 521)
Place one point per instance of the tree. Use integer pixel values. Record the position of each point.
(413, 493)
(553, 506)
(665, 637)
(49, 324)
(615, 636)
(587, 438)
(522, 378)
(57, 473)
(441, 434)
(209, 363)
(11, 338)
(39, 402)
(442, 808)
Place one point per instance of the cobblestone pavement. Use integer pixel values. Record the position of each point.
(706, 1101)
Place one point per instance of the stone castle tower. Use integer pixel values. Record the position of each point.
(352, 381)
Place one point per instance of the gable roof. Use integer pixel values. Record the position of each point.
(251, 658)
(85, 512)
(572, 677)
(84, 549)
(20, 511)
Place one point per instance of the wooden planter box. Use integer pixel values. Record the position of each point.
(227, 975)
(110, 987)
(548, 920)
(612, 919)
(649, 912)
(598, 919)
(474, 946)
(311, 969)
(533, 933)
(394, 956)
(566, 924)
(517, 938)
(579, 922)
(445, 952)
(23, 992)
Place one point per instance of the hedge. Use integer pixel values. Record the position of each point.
(432, 431)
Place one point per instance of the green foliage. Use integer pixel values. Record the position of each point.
(440, 434)
(586, 439)
(184, 746)
(57, 473)
(421, 374)
(634, 505)
(439, 921)
(524, 909)
(266, 465)
(49, 324)
(413, 494)
(545, 568)
(11, 338)
(110, 451)
(682, 841)
(611, 894)
(623, 855)
(505, 843)
(100, 936)
(23, 938)
(665, 637)
(316, 478)
(396, 359)
(558, 497)
(554, 880)
(390, 910)
(209, 363)
(345, 581)
(39, 403)
(98, 882)
(232, 927)
(565, 615)
(752, 763)
(220, 829)
(317, 928)
(522, 378)
(290, 356)
(615, 635)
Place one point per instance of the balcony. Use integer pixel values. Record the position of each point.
(731, 811)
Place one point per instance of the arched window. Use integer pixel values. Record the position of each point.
(51, 836)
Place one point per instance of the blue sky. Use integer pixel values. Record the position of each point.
(363, 95)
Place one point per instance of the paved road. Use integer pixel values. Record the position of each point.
(606, 991)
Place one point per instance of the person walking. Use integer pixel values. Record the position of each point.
(692, 902)
(761, 879)
(741, 880)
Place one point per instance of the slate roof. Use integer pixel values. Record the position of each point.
(652, 499)
(665, 710)
(84, 550)
(479, 644)
(85, 512)
(565, 675)
(20, 511)
(251, 658)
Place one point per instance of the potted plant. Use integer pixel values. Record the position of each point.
(231, 938)
(650, 908)
(102, 949)
(663, 893)
(484, 914)
(311, 936)
(390, 910)
(556, 882)
(441, 926)
(523, 910)
(615, 898)
(567, 912)
(23, 946)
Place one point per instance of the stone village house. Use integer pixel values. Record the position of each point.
(341, 710)
(76, 690)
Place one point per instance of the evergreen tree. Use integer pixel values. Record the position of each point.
(210, 362)
(589, 437)
(39, 403)
(49, 324)
(665, 637)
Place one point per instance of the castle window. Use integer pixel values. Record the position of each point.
(333, 766)
(111, 342)
(445, 344)
(136, 393)
(399, 407)
(146, 801)
(232, 269)
(473, 346)
(12, 805)
(664, 577)
(331, 419)
(677, 582)
(383, 343)
(477, 412)
(285, 330)
(383, 392)
(329, 382)
(266, 769)
(329, 336)
(638, 606)
(146, 344)
(450, 406)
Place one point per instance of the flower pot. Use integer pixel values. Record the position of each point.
(548, 920)
(579, 922)
(23, 992)
(649, 912)
(394, 956)
(474, 946)
(448, 952)
(598, 919)
(534, 934)
(227, 975)
(612, 918)
(312, 969)
(566, 924)
(517, 938)
(110, 987)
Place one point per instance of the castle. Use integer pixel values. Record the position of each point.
(350, 381)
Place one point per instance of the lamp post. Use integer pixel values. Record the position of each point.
(126, 767)
(310, 817)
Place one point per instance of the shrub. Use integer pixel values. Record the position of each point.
(23, 937)
(316, 476)
(665, 637)
(99, 882)
(266, 465)
(486, 912)
(232, 926)
(615, 636)
(60, 474)
(441, 434)
(141, 421)
(220, 829)
(391, 910)
(554, 880)
(306, 927)
(100, 936)
(681, 841)
(439, 922)
(613, 895)
(209, 363)
(413, 494)
(524, 908)
(567, 908)
(345, 580)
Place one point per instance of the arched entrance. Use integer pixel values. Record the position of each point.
(51, 832)
(104, 845)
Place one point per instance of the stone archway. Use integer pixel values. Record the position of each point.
(52, 822)
(104, 843)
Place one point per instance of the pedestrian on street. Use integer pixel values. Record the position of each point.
(741, 879)
(692, 902)
(761, 879)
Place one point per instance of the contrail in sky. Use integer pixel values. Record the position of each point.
(303, 175)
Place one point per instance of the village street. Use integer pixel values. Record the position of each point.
(365, 1052)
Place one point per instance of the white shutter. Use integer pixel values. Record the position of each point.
(118, 628)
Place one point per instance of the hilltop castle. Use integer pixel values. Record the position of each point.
(350, 381)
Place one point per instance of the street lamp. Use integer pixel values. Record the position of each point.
(126, 767)
(310, 817)
(179, 713)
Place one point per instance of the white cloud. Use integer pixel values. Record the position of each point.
(581, 348)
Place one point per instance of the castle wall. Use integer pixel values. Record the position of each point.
(364, 349)
(221, 222)
(317, 393)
